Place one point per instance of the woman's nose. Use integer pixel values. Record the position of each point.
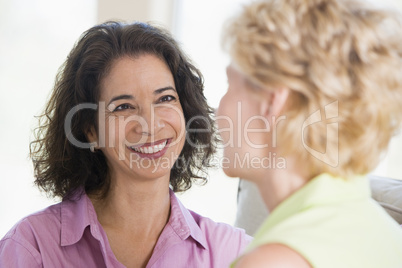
(151, 124)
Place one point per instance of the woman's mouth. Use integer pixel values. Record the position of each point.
(151, 150)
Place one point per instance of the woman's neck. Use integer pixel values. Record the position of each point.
(278, 184)
(141, 208)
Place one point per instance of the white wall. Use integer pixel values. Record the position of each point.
(157, 11)
(35, 37)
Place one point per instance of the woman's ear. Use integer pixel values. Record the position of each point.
(274, 102)
(92, 136)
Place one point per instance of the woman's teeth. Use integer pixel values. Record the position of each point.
(150, 149)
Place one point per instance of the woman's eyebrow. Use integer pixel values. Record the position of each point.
(160, 90)
(130, 97)
(121, 97)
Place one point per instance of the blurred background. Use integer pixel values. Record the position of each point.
(35, 38)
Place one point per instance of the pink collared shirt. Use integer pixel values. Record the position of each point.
(68, 234)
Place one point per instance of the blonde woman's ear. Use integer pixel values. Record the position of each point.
(275, 102)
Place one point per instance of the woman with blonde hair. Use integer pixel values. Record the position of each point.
(317, 91)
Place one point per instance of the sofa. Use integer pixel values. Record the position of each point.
(388, 193)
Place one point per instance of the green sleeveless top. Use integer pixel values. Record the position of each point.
(333, 222)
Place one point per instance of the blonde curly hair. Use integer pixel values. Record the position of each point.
(338, 57)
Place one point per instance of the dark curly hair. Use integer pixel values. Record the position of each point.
(60, 167)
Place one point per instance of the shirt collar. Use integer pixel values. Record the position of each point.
(323, 190)
(78, 212)
(183, 222)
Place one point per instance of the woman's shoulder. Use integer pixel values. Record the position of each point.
(211, 225)
(222, 233)
(217, 234)
(48, 222)
(22, 241)
(272, 255)
(30, 225)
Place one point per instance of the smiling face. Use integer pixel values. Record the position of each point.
(143, 120)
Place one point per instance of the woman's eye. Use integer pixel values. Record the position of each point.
(167, 98)
(122, 107)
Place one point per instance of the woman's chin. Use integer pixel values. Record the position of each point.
(231, 172)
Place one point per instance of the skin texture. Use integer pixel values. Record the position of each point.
(273, 255)
(258, 109)
(240, 110)
(142, 107)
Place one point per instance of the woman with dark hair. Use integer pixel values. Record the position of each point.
(120, 128)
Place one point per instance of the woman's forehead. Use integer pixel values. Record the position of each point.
(134, 76)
